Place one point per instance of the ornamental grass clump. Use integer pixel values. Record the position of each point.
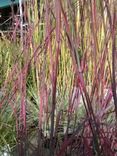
(58, 82)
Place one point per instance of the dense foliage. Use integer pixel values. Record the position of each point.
(58, 80)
